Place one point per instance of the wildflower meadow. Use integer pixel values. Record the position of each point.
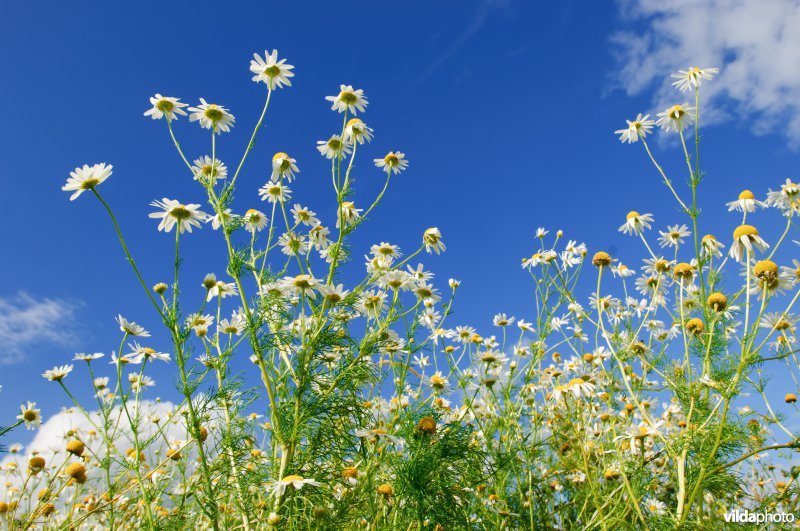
(629, 396)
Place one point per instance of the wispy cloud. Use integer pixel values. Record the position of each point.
(27, 322)
(486, 7)
(754, 43)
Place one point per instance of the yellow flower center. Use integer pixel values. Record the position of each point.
(348, 97)
(391, 160)
(291, 478)
(164, 105)
(88, 184)
(632, 214)
(746, 194)
(744, 230)
(214, 113)
(180, 212)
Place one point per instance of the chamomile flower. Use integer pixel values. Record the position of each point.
(673, 236)
(165, 106)
(693, 77)
(30, 415)
(86, 178)
(394, 161)
(271, 71)
(303, 215)
(333, 147)
(207, 170)
(222, 290)
(636, 223)
(176, 213)
(357, 131)
(254, 220)
(80, 356)
(138, 354)
(333, 294)
(676, 118)
(654, 506)
(283, 167)
(233, 326)
(275, 192)
(348, 213)
(349, 99)
(131, 328)
(747, 202)
(212, 116)
(638, 128)
(293, 244)
(318, 237)
(432, 239)
(710, 246)
(218, 220)
(502, 320)
(438, 383)
(745, 239)
(56, 374)
(296, 482)
(787, 198)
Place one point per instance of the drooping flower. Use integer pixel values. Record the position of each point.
(86, 178)
(745, 239)
(636, 223)
(693, 77)
(297, 482)
(746, 202)
(432, 238)
(283, 166)
(357, 131)
(254, 220)
(131, 328)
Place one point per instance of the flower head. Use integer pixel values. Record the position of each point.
(56, 374)
(165, 106)
(394, 161)
(676, 118)
(349, 99)
(283, 166)
(357, 131)
(432, 238)
(693, 77)
(636, 223)
(175, 213)
(271, 71)
(745, 238)
(207, 170)
(637, 128)
(30, 415)
(212, 116)
(86, 178)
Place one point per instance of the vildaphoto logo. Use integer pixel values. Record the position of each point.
(743, 516)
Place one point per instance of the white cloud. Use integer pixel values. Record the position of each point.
(755, 43)
(26, 322)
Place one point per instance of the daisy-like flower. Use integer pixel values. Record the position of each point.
(212, 116)
(653, 505)
(710, 246)
(165, 106)
(333, 147)
(305, 216)
(349, 99)
(787, 198)
(131, 328)
(139, 354)
(233, 326)
(56, 374)
(300, 284)
(254, 220)
(217, 220)
(333, 294)
(438, 382)
(357, 131)
(637, 128)
(270, 70)
(747, 202)
(676, 118)
(275, 192)
(778, 321)
(283, 166)
(502, 319)
(297, 482)
(693, 77)
(86, 178)
(176, 213)
(222, 290)
(293, 244)
(348, 213)
(432, 238)
(378, 435)
(207, 170)
(30, 415)
(394, 161)
(745, 238)
(318, 237)
(577, 387)
(673, 236)
(636, 223)
(79, 356)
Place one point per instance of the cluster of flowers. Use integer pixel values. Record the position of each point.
(609, 409)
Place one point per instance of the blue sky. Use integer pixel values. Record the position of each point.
(506, 110)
